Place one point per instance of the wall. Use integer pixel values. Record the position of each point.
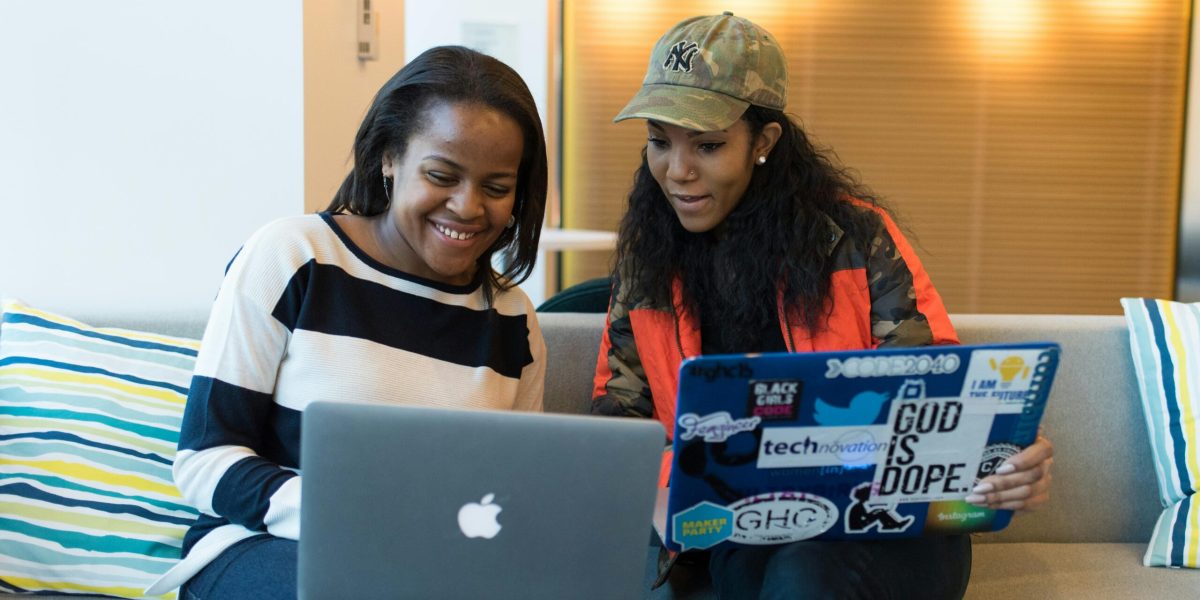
(1033, 147)
(519, 33)
(1188, 277)
(513, 31)
(338, 87)
(140, 143)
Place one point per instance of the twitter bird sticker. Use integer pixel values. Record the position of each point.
(863, 410)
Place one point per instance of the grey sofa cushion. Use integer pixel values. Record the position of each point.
(1084, 571)
(1103, 487)
(181, 324)
(572, 342)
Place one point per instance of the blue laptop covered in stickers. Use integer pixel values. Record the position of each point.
(873, 444)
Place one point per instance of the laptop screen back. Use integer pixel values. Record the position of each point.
(407, 502)
(775, 448)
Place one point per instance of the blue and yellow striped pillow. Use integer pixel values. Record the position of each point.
(89, 419)
(1164, 337)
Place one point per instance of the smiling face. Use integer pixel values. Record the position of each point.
(453, 193)
(704, 174)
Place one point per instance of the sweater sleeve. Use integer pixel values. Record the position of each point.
(906, 310)
(620, 387)
(226, 423)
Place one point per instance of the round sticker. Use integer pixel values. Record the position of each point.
(781, 517)
(994, 456)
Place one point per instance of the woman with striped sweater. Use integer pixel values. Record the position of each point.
(388, 296)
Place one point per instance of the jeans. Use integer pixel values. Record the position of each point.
(930, 567)
(262, 567)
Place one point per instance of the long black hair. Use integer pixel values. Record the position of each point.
(779, 234)
(398, 112)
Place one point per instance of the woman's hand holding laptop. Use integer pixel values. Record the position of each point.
(1021, 483)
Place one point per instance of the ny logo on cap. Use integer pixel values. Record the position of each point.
(679, 58)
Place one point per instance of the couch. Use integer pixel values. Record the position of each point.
(1087, 542)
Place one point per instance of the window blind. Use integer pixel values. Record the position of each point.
(1033, 148)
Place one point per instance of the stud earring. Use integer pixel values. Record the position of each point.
(762, 160)
(512, 220)
(691, 173)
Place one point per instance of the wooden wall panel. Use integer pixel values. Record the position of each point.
(1034, 148)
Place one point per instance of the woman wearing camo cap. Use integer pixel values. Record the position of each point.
(741, 237)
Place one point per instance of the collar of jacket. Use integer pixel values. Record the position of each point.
(687, 328)
(835, 235)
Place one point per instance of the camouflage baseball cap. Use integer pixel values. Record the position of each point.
(706, 71)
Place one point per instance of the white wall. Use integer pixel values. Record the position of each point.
(514, 31)
(140, 143)
(338, 87)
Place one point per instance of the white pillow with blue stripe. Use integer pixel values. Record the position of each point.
(89, 420)
(1164, 338)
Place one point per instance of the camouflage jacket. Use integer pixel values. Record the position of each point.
(879, 296)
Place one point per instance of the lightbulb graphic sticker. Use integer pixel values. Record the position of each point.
(1013, 367)
(1002, 376)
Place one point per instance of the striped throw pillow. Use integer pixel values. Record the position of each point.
(1164, 337)
(89, 419)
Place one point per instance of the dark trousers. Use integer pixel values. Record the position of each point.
(926, 568)
(262, 567)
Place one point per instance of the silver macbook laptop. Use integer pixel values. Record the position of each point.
(405, 502)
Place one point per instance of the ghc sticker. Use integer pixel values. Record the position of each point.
(780, 517)
(702, 526)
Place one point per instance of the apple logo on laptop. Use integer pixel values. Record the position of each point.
(478, 519)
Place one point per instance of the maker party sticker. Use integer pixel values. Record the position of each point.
(702, 526)
(781, 517)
